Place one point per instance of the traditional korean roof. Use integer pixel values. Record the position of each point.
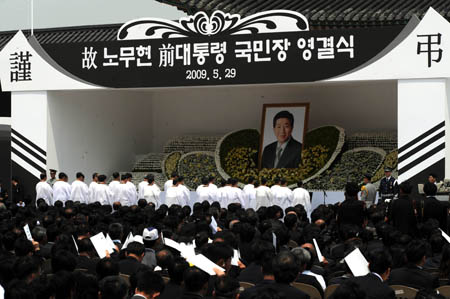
(325, 13)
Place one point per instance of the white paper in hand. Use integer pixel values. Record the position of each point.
(187, 250)
(27, 231)
(445, 236)
(101, 245)
(213, 224)
(128, 240)
(319, 253)
(357, 263)
(235, 258)
(75, 243)
(173, 244)
(110, 242)
(204, 264)
(138, 239)
(274, 241)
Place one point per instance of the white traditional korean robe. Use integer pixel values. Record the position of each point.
(80, 192)
(301, 196)
(263, 197)
(250, 196)
(103, 195)
(44, 191)
(61, 191)
(152, 193)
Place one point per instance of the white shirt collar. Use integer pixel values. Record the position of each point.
(283, 146)
(377, 275)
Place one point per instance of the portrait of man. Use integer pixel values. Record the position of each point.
(283, 129)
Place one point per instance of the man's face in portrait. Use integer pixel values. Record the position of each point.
(283, 130)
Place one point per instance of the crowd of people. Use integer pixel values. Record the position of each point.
(402, 239)
(121, 190)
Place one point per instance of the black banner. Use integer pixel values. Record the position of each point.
(302, 56)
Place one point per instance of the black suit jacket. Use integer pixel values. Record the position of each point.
(402, 215)
(374, 287)
(291, 157)
(351, 211)
(130, 265)
(433, 208)
(288, 292)
(252, 274)
(310, 280)
(414, 277)
(171, 291)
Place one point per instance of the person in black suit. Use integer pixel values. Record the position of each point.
(253, 273)
(433, 208)
(286, 152)
(374, 283)
(303, 258)
(195, 283)
(401, 213)
(148, 285)
(351, 211)
(174, 287)
(134, 255)
(285, 271)
(413, 275)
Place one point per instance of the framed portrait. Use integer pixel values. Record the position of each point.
(283, 128)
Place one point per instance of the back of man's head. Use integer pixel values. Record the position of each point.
(136, 248)
(107, 267)
(164, 259)
(379, 261)
(115, 231)
(415, 252)
(303, 257)
(63, 260)
(285, 267)
(177, 269)
(113, 287)
(405, 188)
(39, 233)
(195, 280)
(226, 287)
(149, 283)
(351, 189)
(429, 189)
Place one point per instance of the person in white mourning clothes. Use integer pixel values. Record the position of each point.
(80, 191)
(250, 193)
(93, 186)
(103, 193)
(141, 187)
(152, 191)
(61, 189)
(263, 197)
(203, 191)
(127, 191)
(220, 192)
(44, 190)
(300, 196)
(282, 196)
(212, 189)
(169, 183)
(172, 194)
(113, 186)
(276, 185)
(235, 194)
(185, 194)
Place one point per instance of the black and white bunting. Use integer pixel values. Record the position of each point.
(27, 154)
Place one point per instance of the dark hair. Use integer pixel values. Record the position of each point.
(406, 188)
(164, 258)
(63, 260)
(79, 175)
(174, 175)
(415, 251)
(63, 284)
(106, 267)
(62, 175)
(115, 231)
(177, 269)
(379, 261)
(226, 287)
(149, 282)
(217, 251)
(116, 175)
(349, 290)
(195, 279)
(26, 266)
(85, 245)
(102, 178)
(94, 175)
(23, 247)
(283, 114)
(135, 248)
(285, 267)
(205, 181)
(351, 189)
(43, 176)
(444, 267)
(113, 287)
(429, 189)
